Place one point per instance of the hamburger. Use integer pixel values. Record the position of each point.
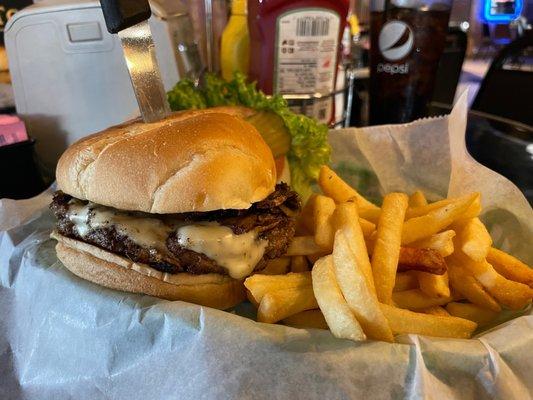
(183, 209)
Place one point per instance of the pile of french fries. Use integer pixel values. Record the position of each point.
(409, 266)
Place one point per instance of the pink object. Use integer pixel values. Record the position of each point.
(12, 130)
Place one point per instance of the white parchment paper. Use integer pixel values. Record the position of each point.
(64, 338)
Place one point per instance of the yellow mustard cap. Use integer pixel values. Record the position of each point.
(239, 7)
(354, 25)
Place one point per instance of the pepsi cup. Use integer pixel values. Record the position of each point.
(407, 38)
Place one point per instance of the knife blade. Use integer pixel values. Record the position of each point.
(129, 18)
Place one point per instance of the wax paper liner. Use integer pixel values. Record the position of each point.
(65, 338)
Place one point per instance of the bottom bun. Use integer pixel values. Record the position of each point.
(116, 272)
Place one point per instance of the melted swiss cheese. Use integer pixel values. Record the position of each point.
(238, 254)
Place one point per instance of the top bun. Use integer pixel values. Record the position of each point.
(200, 160)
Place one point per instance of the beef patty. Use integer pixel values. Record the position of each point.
(272, 219)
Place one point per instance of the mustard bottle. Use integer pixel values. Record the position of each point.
(235, 46)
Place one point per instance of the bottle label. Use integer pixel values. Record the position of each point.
(307, 44)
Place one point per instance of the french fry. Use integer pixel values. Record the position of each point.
(370, 214)
(338, 315)
(386, 250)
(345, 219)
(310, 319)
(405, 322)
(465, 283)
(426, 260)
(258, 285)
(303, 246)
(511, 294)
(251, 299)
(417, 199)
(277, 266)
(456, 295)
(475, 239)
(471, 212)
(441, 242)
(301, 230)
(415, 299)
(510, 267)
(436, 310)
(405, 281)
(306, 219)
(370, 242)
(299, 264)
(424, 226)
(313, 258)
(472, 312)
(416, 259)
(280, 304)
(333, 186)
(418, 211)
(367, 227)
(434, 285)
(324, 207)
(361, 300)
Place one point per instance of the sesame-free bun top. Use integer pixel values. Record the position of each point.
(199, 160)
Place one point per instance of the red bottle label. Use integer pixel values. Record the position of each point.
(307, 45)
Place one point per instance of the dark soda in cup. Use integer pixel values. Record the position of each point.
(407, 38)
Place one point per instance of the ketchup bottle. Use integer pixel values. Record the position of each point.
(295, 45)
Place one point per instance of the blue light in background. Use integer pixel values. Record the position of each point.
(501, 18)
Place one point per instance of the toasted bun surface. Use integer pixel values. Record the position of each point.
(116, 272)
(198, 160)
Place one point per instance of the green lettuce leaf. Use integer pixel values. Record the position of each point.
(309, 144)
(185, 96)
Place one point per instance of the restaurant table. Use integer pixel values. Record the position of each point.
(501, 144)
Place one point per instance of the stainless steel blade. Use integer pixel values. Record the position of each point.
(139, 51)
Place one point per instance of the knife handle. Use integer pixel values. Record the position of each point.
(121, 14)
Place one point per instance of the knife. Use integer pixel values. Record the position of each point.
(129, 18)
